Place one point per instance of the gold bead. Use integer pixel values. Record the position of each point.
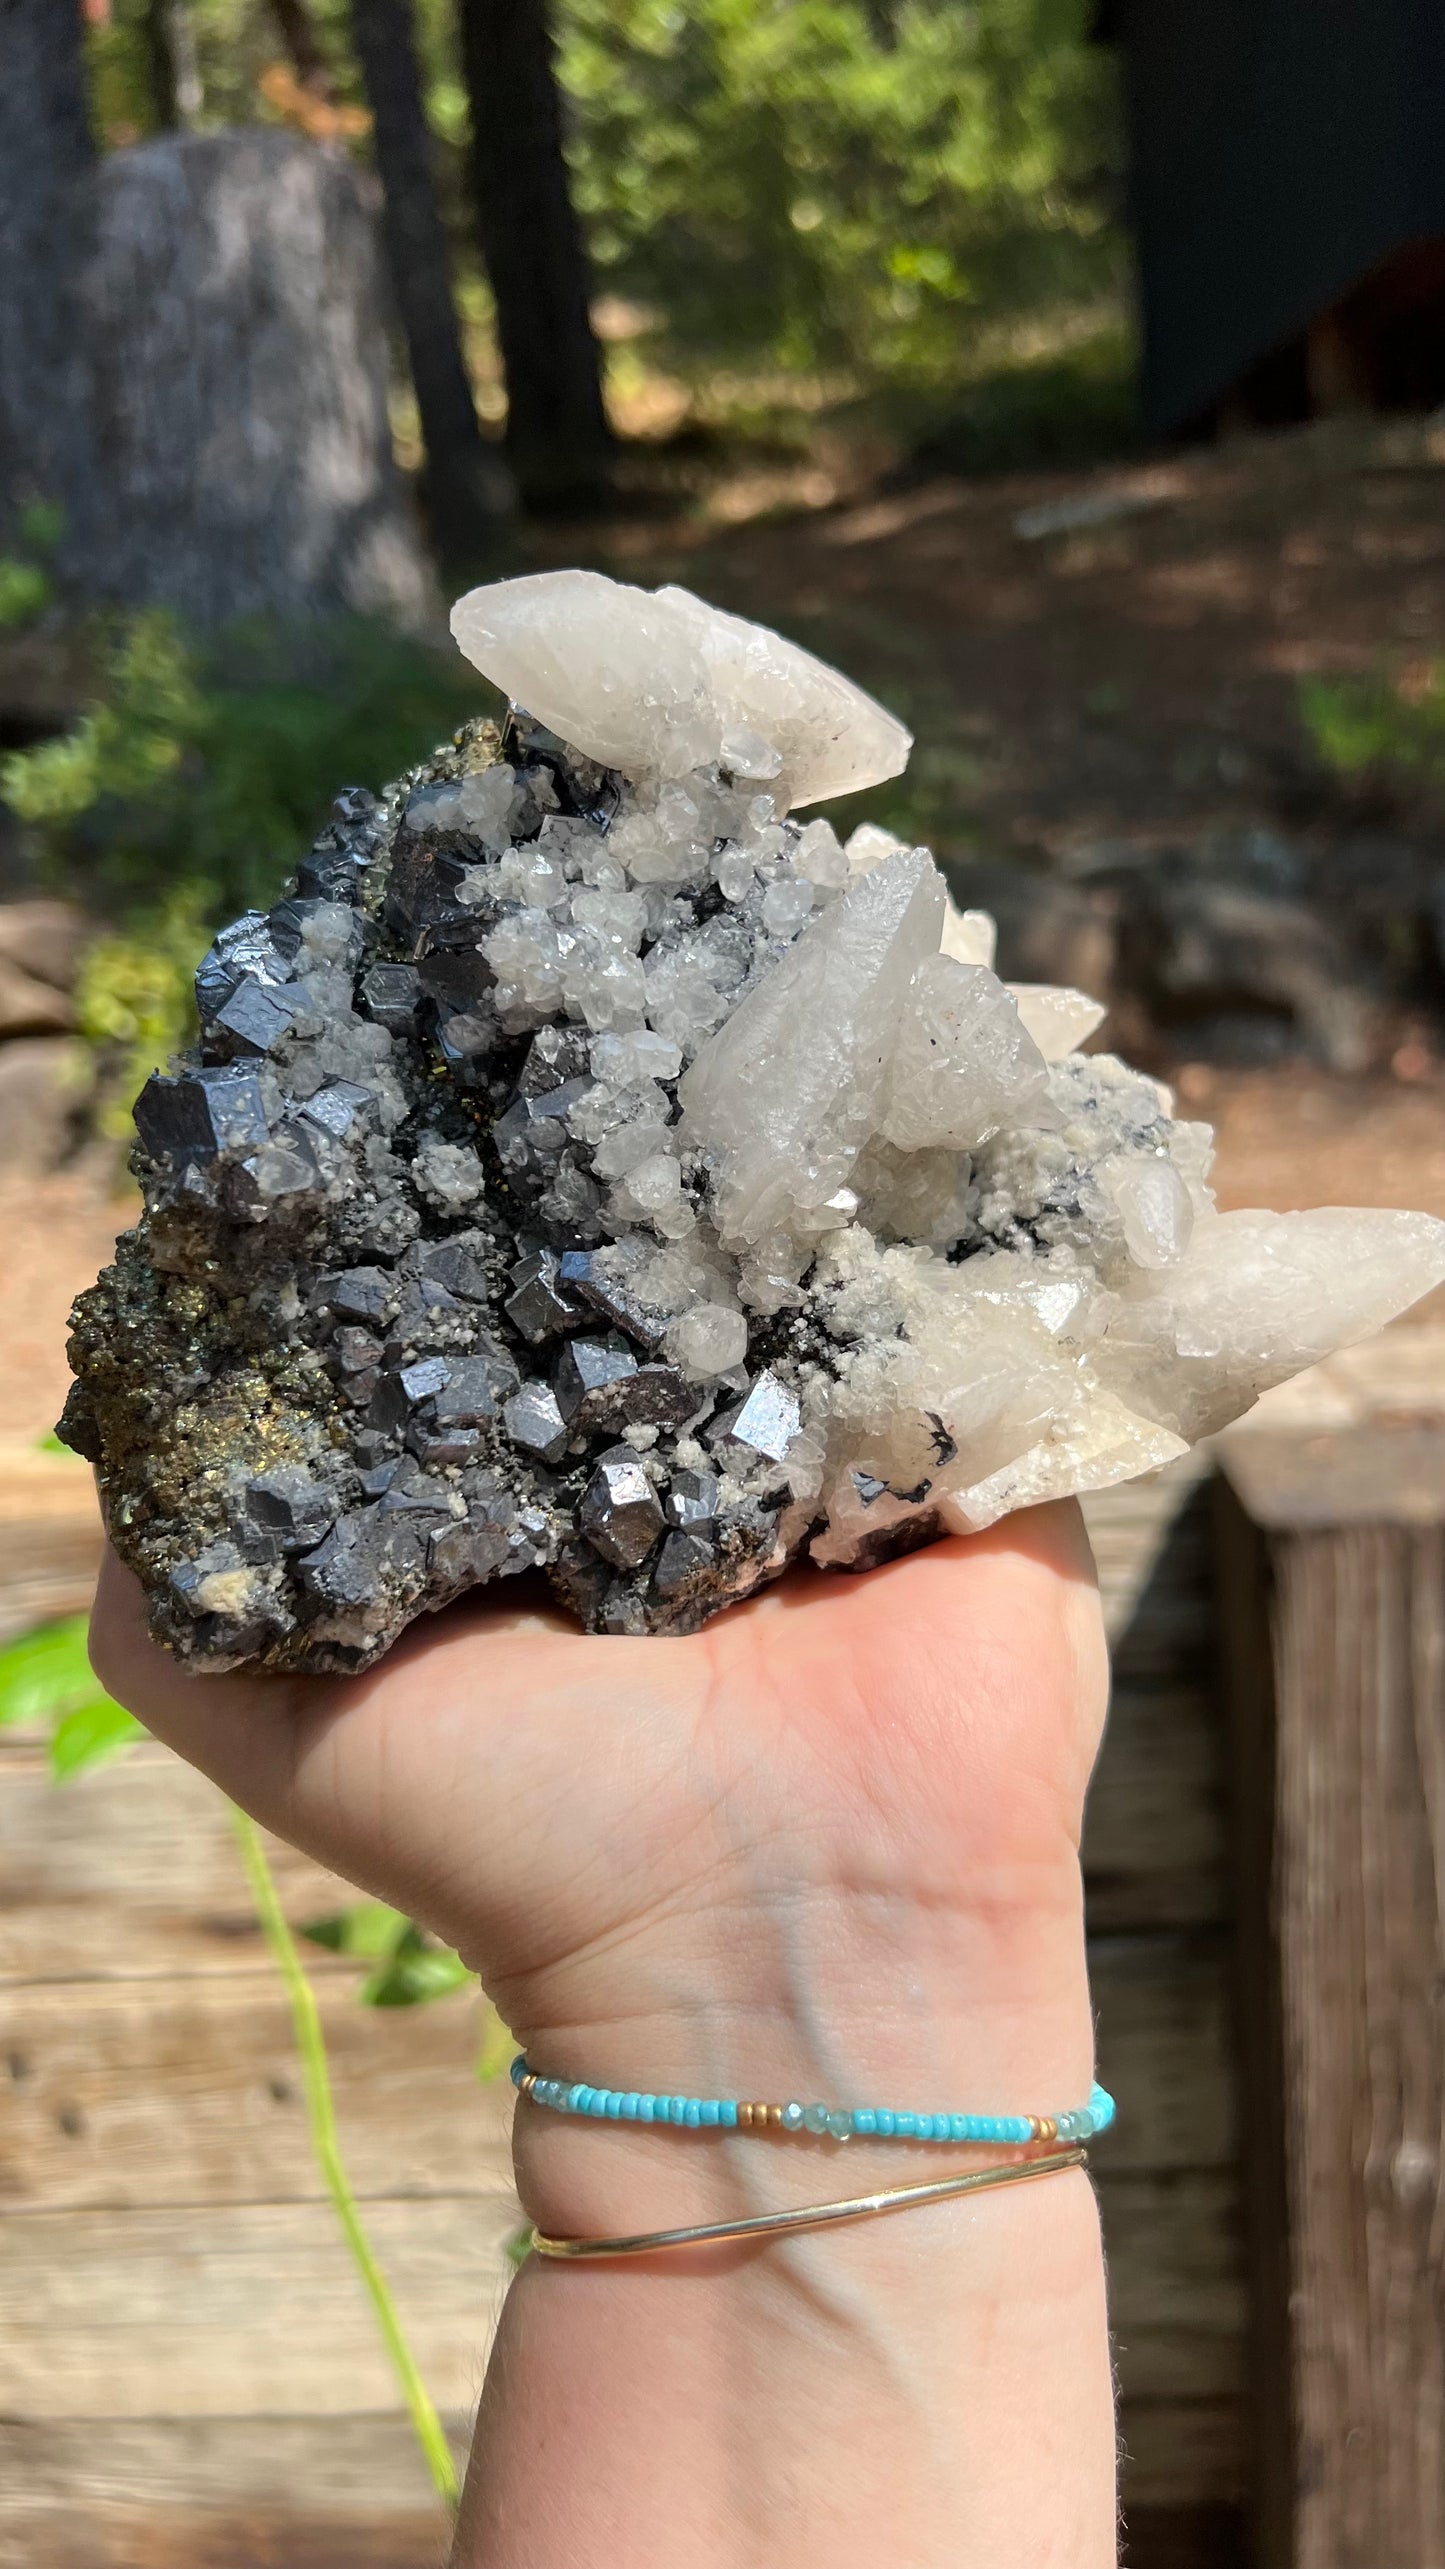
(745, 2117)
(775, 2117)
(1045, 2127)
(529, 2081)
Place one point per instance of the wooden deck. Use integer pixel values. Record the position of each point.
(188, 2372)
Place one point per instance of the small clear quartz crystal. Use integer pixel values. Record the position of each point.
(589, 1168)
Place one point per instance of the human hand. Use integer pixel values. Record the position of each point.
(827, 1847)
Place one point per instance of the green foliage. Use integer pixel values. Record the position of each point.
(865, 184)
(1386, 725)
(410, 1966)
(212, 767)
(46, 1678)
(780, 182)
(135, 999)
(1042, 413)
(24, 592)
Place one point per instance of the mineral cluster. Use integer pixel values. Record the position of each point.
(589, 1167)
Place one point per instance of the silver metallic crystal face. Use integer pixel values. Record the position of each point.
(589, 1167)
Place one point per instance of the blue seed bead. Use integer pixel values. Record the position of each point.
(795, 2116)
(906, 2126)
(646, 2106)
(887, 2123)
(815, 2118)
(728, 2114)
(710, 2112)
(864, 2119)
(692, 2113)
(582, 2100)
(630, 2105)
(677, 2109)
(519, 2069)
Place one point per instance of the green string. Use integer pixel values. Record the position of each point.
(326, 2148)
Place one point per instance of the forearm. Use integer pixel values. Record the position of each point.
(930, 2388)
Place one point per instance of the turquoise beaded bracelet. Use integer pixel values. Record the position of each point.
(827, 2122)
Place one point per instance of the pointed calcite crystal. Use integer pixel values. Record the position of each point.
(587, 1167)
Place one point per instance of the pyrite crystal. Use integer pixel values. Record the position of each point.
(588, 1167)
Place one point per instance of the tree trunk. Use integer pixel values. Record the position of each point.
(175, 79)
(464, 489)
(298, 35)
(557, 435)
(45, 154)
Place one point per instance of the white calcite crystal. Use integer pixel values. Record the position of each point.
(590, 1168)
(654, 683)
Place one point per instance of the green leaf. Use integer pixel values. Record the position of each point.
(24, 592)
(518, 2248)
(365, 1932)
(411, 1967)
(50, 1443)
(416, 1971)
(89, 1735)
(46, 1673)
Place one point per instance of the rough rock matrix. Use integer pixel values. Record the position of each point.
(590, 1168)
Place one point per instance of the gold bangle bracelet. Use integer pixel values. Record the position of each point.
(817, 2216)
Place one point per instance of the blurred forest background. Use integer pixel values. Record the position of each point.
(321, 309)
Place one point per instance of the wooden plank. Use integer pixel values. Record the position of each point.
(1181, 2452)
(126, 2093)
(1166, 2051)
(243, 2310)
(105, 2493)
(142, 2093)
(1208, 2536)
(368, 2461)
(1156, 1851)
(1131, 1525)
(1154, 1839)
(50, 1536)
(151, 2536)
(132, 1871)
(220, 2493)
(1349, 1700)
(252, 2310)
(1177, 2302)
(1388, 1472)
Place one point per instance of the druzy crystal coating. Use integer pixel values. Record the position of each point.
(590, 1167)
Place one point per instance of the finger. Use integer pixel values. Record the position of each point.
(238, 1729)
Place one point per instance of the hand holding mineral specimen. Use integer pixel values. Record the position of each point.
(592, 1168)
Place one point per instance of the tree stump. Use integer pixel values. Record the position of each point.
(237, 364)
(1333, 1615)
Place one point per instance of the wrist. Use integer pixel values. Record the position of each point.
(850, 2000)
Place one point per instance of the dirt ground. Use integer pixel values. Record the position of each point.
(1130, 680)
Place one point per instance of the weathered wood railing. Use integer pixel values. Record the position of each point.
(1332, 1595)
(186, 2367)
